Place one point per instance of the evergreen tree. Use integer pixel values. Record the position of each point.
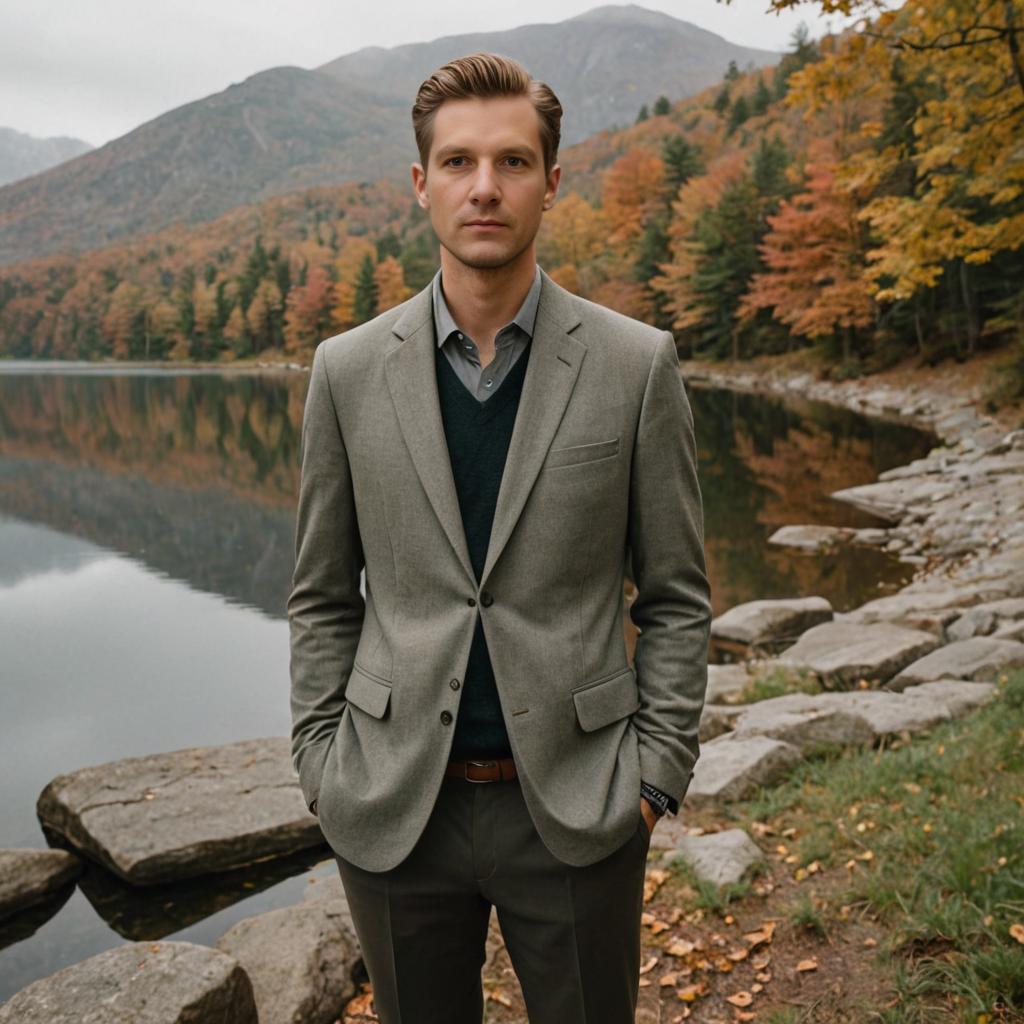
(762, 97)
(733, 72)
(662, 106)
(739, 113)
(722, 100)
(643, 115)
(682, 162)
(364, 306)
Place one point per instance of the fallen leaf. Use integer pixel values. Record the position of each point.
(691, 993)
(807, 965)
(740, 999)
(681, 947)
(649, 965)
(1017, 932)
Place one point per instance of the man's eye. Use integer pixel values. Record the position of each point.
(451, 160)
(518, 159)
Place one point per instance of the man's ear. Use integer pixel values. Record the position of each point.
(419, 185)
(554, 177)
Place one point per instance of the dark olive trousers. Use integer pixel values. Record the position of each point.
(572, 933)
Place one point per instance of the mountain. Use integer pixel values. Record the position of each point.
(603, 65)
(22, 155)
(290, 128)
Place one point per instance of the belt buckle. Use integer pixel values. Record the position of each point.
(482, 764)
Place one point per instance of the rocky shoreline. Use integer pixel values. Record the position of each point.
(897, 665)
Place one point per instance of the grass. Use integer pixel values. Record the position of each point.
(775, 683)
(931, 832)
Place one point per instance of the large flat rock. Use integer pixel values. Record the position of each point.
(299, 959)
(140, 983)
(842, 653)
(30, 876)
(980, 657)
(926, 610)
(185, 813)
(730, 768)
(805, 721)
(810, 537)
(771, 621)
(717, 857)
(858, 716)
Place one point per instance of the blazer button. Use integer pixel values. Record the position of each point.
(471, 601)
(486, 599)
(446, 717)
(454, 684)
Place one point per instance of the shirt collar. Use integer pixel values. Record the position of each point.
(525, 319)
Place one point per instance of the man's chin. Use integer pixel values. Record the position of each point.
(484, 260)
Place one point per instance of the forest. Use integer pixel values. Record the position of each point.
(864, 197)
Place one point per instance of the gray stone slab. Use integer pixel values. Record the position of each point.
(140, 983)
(805, 721)
(810, 537)
(299, 959)
(731, 768)
(717, 857)
(768, 621)
(28, 877)
(842, 653)
(980, 657)
(185, 813)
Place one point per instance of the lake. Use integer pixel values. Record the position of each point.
(146, 548)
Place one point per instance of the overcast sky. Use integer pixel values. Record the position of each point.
(96, 69)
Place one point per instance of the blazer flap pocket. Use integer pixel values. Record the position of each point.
(367, 692)
(606, 700)
(582, 453)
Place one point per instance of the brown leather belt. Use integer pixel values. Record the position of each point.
(501, 769)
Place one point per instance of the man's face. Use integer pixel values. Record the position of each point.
(486, 165)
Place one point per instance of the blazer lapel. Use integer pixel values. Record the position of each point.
(412, 379)
(555, 361)
(551, 374)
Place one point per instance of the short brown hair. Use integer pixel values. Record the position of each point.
(486, 74)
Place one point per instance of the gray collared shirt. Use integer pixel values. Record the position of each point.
(462, 351)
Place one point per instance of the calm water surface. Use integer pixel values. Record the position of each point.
(146, 532)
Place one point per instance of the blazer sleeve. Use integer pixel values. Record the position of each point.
(326, 606)
(672, 609)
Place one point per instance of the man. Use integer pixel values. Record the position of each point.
(471, 733)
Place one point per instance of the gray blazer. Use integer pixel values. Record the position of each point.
(602, 459)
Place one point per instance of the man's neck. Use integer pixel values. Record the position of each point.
(483, 301)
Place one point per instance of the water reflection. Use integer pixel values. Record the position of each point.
(146, 531)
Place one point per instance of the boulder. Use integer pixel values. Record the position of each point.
(980, 657)
(805, 721)
(928, 610)
(841, 653)
(140, 983)
(720, 858)
(771, 621)
(299, 959)
(185, 813)
(731, 768)
(809, 537)
(890, 499)
(28, 877)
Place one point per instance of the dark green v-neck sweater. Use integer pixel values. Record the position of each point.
(478, 436)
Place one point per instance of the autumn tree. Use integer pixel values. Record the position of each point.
(813, 255)
(307, 318)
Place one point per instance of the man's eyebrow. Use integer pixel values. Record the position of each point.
(452, 150)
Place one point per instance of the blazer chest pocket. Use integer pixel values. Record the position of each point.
(368, 692)
(606, 700)
(581, 453)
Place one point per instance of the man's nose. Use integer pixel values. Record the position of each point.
(486, 188)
